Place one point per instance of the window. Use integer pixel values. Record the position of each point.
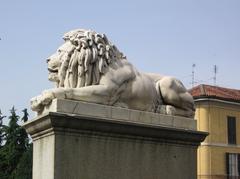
(233, 165)
(231, 126)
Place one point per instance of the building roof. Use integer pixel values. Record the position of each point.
(216, 92)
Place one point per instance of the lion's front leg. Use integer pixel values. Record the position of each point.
(100, 94)
(38, 102)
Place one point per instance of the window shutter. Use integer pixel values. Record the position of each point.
(234, 130)
(238, 164)
(231, 124)
(227, 163)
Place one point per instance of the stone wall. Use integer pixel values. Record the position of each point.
(77, 140)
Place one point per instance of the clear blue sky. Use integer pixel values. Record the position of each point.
(161, 36)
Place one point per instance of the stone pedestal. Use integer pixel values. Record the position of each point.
(77, 140)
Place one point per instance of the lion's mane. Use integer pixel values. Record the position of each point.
(88, 59)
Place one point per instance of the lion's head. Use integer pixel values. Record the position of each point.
(82, 59)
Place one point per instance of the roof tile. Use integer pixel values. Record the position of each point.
(215, 92)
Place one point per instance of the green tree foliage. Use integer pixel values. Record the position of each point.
(16, 152)
(25, 115)
(24, 167)
(2, 131)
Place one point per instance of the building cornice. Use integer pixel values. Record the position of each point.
(216, 100)
(219, 145)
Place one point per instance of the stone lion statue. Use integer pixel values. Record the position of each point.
(88, 67)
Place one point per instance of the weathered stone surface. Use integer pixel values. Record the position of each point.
(77, 140)
(117, 113)
(88, 67)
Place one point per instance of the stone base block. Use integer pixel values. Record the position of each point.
(75, 140)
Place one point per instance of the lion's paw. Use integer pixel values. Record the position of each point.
(36, 104)
(47, 97)
(170, 110)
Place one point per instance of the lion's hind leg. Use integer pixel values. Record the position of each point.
(171, 110)
(174, 111)
(175, 94)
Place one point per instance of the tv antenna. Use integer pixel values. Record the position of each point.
(215, 71)
(193, 73)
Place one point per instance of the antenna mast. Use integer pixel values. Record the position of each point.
(215, 70)
(193, 73)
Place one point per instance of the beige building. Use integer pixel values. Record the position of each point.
(218, 113)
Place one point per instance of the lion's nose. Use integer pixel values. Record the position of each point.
(48, 59)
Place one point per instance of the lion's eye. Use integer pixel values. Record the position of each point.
(59, 50)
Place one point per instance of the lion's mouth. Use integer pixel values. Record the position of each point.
(52, 70)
